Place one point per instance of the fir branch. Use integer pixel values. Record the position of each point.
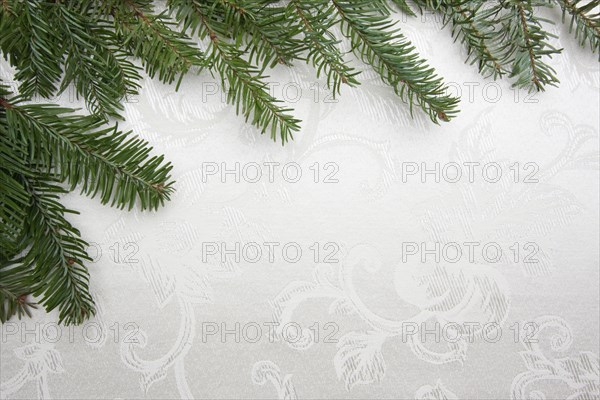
(12, 44)
(101, 77)
(246, 88)
(57, 253)
(14, 199)
(155, 40)
(378, 42)
(15, 272)
(526, 43)
(10, 303)
(41, 146)
(317, 17)
(82, 152)
(265, 28)
(404, 7)
(585, 20)
(39, 50)
(475, 29)
(45, 38)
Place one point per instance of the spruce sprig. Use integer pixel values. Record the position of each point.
(47, 151)
(155, 39)
(57, 254)
(474, 28)
(532, 46)
(585, 20)
(316, 18)
(270, 36)
(523, 43)
(79, 150)
(28, 36)
(245, 85)
(378, 41)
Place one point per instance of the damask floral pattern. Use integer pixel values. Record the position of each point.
(200, 299)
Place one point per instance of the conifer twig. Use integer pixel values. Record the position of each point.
(525, 43)
(585, 20)
(57, 253)
(246, 88)
(378, 41)
(266, 29)
(316, 18)
(474, 28)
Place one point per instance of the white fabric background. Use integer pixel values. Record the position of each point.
(158, 301)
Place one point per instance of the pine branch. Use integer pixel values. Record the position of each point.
(378, 42)
(12, 304)
(317, 17)
(404, 7)
(35, 49)
(525, 43)
(15, 273)
(101, 77)
(82, 152)
(41, 146)
(475, 29)
(155, 40)
(265, 28)
(14, 199)
(246, 89)
(57, 254)
(585, 20)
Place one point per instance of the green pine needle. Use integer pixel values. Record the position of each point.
(316, 19)
(585, 21)
(474, 28)
(57, 254)
(266, 30)
(46, 151)
(244, 83)
(378, 41)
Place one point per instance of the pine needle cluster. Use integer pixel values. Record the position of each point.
(101, 49)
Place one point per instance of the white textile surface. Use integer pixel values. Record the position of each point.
(374, 256)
